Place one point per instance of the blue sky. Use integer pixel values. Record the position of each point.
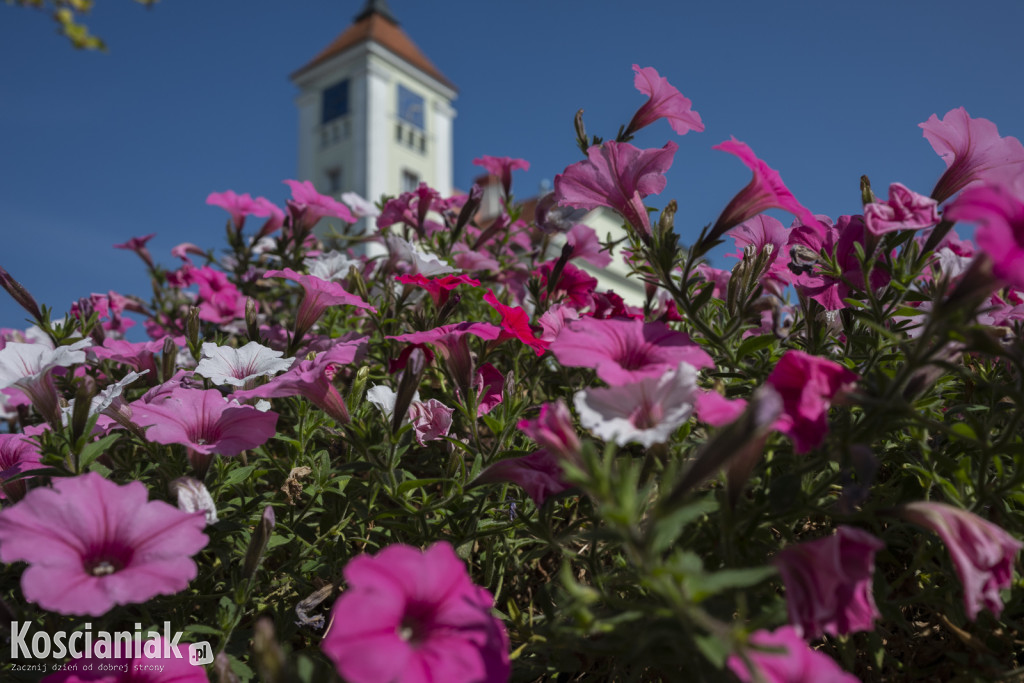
(194, 97)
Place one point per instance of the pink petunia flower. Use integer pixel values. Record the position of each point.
(490, 384)
(412, 208)
(983, 553)
(138, 245)
(647, 411)
(973, 151)
(838, 241)
(762, 233)
(204, 421)
(91, 544)
(665, 102)
(616, 175)
(313, 379)
(515, 324)
(307, 206)
(502, 168)
(539, 474)
(765, 191)
(586, 246)
(220, 301)
(626, 350)
(797, 663)
(828, 583)
(553, 430)
(240, 206)
(807, 384)
(1000, 234)
(717, 410)
(415, 616)
(904, 210)
(318, 295)
(157, 663)
(18, 454)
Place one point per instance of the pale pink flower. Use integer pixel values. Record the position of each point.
(973, 151)
(797, 663)
(502, 168)
(666, 102)
(204, 421)
(1000, 234)
(904, 210)
(539, 474)
(765, 191)
(982, 552)
(553, 320)
(808, 385)
(647, 411)
(828, 583)
(332, 265)
(626, 350)
(413, 259)
(616, 175)
(430, 420)
(91, 544)
(361, 208)
(139, 356)
(157, 664)
(415, 616)
(239, 367)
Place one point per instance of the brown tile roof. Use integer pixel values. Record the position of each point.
(385, 32)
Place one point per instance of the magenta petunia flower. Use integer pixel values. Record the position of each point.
(539, 474)
(838, 240)
(717, 410)
(828, 583)
(91, 544)
(515, 324)
(626, 350)
(765, 191)
(439, 288)
(138, 245)
(415, 616)
(502, 167)
(665, 102)
(412, 208)
(807, 384)
(219, 300)
(204, 421)
(1000, 234)
(616, 175)
(973, 151)
(763, 233)
(904, 210)
(797, 663)
(982, 552)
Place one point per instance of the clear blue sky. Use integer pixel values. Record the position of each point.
(194, 97)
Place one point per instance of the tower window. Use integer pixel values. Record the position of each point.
(335, 102)
(410, 180)
(410, 107)
(333, 180)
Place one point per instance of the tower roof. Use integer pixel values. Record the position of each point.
(376, 23)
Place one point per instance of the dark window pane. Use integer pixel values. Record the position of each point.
(335, 102)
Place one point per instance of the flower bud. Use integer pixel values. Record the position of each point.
(20, 294)
(193, 497)
(258, 543)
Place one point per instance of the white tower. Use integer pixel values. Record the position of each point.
(375, 115)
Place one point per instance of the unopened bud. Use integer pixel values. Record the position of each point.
(581, 132)
(252, 326)
(270, 660)
(192, 331)
(168, 359)
(21, 295)
(258, 542)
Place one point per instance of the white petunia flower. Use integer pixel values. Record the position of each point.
(228, 365)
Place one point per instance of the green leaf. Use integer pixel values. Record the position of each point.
(95, 450)
(667, 529)
(706, 585)
(715, 649)
(238, 475)
(752, 345)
